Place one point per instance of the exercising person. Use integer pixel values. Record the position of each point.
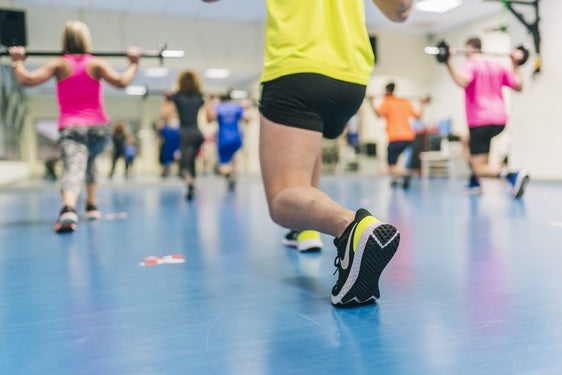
(398, 113)
(228, 115)
(187, 101)
(318, 60)
(118, 142)
(83, 124)
(482, 80)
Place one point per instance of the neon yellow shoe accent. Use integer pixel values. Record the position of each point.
(362, 226)
(307, 235)
(308, 240)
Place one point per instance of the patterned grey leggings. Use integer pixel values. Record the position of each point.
(80, 145)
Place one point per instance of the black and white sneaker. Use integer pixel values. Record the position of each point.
(406, 182)
(364, 250)
(92, 212)
(190, 192)
(67, 220)
(304, 240)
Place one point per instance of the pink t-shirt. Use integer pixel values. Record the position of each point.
(80, 96)
(484, 100)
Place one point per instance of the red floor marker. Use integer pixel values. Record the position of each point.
(168, 259)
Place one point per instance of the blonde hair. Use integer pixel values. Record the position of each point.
(76, 38)
(189, 82)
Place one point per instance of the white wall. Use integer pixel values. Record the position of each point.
(537, 112)
(12, 171)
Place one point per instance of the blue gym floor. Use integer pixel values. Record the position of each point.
(475, 287)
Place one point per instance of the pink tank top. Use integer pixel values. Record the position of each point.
(80, 96)
(484, 99)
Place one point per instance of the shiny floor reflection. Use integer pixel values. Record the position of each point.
(473, 289)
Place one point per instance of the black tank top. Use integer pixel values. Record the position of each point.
(188, 106)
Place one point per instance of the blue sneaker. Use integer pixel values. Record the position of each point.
(518, 181)
(473, 187)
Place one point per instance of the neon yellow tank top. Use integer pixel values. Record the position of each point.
(327, 37)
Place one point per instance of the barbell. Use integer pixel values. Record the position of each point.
(426, 98)
(442, 52)
(161, 53)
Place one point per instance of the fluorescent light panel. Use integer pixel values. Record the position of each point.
(239, 94)
(217, 73)
(437, 6)
(136, 90)
(156, 72)
(173, 53)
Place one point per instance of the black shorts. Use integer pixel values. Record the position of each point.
(395, 149)
(311, 101)
(481, 138)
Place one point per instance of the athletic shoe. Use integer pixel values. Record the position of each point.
(406, 182)
(518, 181)
(364, 250)
(473, 187)
(67, 220)
(92, 212)
(190, 192)
(305, 240)
(231, 181)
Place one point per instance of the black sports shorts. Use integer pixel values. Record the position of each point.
(395, 149)
(481, 138)
(311, 101)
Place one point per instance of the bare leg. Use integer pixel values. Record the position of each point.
(226, 169)
(482, 168)
(91, 190)
(69, 198)
(396, 171)
(290, 164)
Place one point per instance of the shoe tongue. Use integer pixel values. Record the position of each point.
(360, 214)
(67, 209)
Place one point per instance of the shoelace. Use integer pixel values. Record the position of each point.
(337, 259)
(337, 262)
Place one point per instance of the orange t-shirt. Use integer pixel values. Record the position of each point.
(397, 113)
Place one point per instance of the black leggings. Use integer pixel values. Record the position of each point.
(191, 140)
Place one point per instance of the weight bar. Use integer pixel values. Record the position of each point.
(442, 52)
(161, 53)
(426, 98)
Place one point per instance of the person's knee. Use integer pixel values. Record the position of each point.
(274, 206)
(71, 186)
(285, 202)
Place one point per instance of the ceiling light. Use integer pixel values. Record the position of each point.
(217, 73)
(239, 94)
(173, 53)
(437, 6)
(156, 72)
(136, 90)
